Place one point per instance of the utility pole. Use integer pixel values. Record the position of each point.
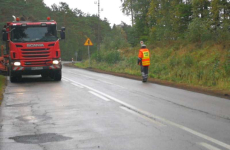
(98, 27)
(98, 40)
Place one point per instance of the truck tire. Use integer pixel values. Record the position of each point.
(13, 79)
(58, 76)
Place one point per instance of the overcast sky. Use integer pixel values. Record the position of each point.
(111, 9)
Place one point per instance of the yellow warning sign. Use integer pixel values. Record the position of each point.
(88, 42)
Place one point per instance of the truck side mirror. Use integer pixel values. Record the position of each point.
(62, 33)
(4, 35)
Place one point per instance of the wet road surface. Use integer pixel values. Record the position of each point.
(89, 110)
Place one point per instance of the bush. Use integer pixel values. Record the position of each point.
(223, 33)
(97, 57)
(131, 61)
(198, 31)
(111, 57)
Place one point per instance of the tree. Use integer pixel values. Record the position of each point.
(200, 8)
(128, 8)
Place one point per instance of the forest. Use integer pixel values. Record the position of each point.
(152, 21)
(170, 20)
(188, 39)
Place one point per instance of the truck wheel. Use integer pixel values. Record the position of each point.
(17, 78)
(13, 79)
(57, 76)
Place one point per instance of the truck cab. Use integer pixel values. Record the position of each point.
(33, 49)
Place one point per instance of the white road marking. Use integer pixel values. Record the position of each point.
(77, 85)
(81, 74)
(99, 80)
(100, 96)
(147, 114)
(144, 117)
(209, 147)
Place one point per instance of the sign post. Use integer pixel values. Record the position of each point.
(88, 43)
(89, 56)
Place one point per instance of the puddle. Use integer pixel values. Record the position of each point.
(40, 138)
(34, 119)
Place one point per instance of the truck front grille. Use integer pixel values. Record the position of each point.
(36, 53)
(38, 63)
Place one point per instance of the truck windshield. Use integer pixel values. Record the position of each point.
(34, 34)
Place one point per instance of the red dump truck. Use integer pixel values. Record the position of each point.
(32, 48)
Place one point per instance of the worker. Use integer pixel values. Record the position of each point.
(144, 61)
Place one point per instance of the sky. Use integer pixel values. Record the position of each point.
(111, 9)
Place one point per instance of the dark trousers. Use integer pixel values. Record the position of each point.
(144, 71)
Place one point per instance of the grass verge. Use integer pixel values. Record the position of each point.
(203, 65)
(2, 87)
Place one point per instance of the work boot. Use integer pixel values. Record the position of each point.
(144, 80)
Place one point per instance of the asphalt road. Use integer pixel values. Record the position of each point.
(88, 111)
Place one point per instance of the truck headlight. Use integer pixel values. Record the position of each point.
(55, 62)
(17, 64)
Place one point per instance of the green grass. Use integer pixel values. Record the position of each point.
(2, 85)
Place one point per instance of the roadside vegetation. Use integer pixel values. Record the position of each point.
(2, 86)
(206, 65)
(188, 40)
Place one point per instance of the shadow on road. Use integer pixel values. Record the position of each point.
(33, 79)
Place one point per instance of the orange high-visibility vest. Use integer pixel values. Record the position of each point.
(145, 56)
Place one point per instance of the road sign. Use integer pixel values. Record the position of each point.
(88, 42)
